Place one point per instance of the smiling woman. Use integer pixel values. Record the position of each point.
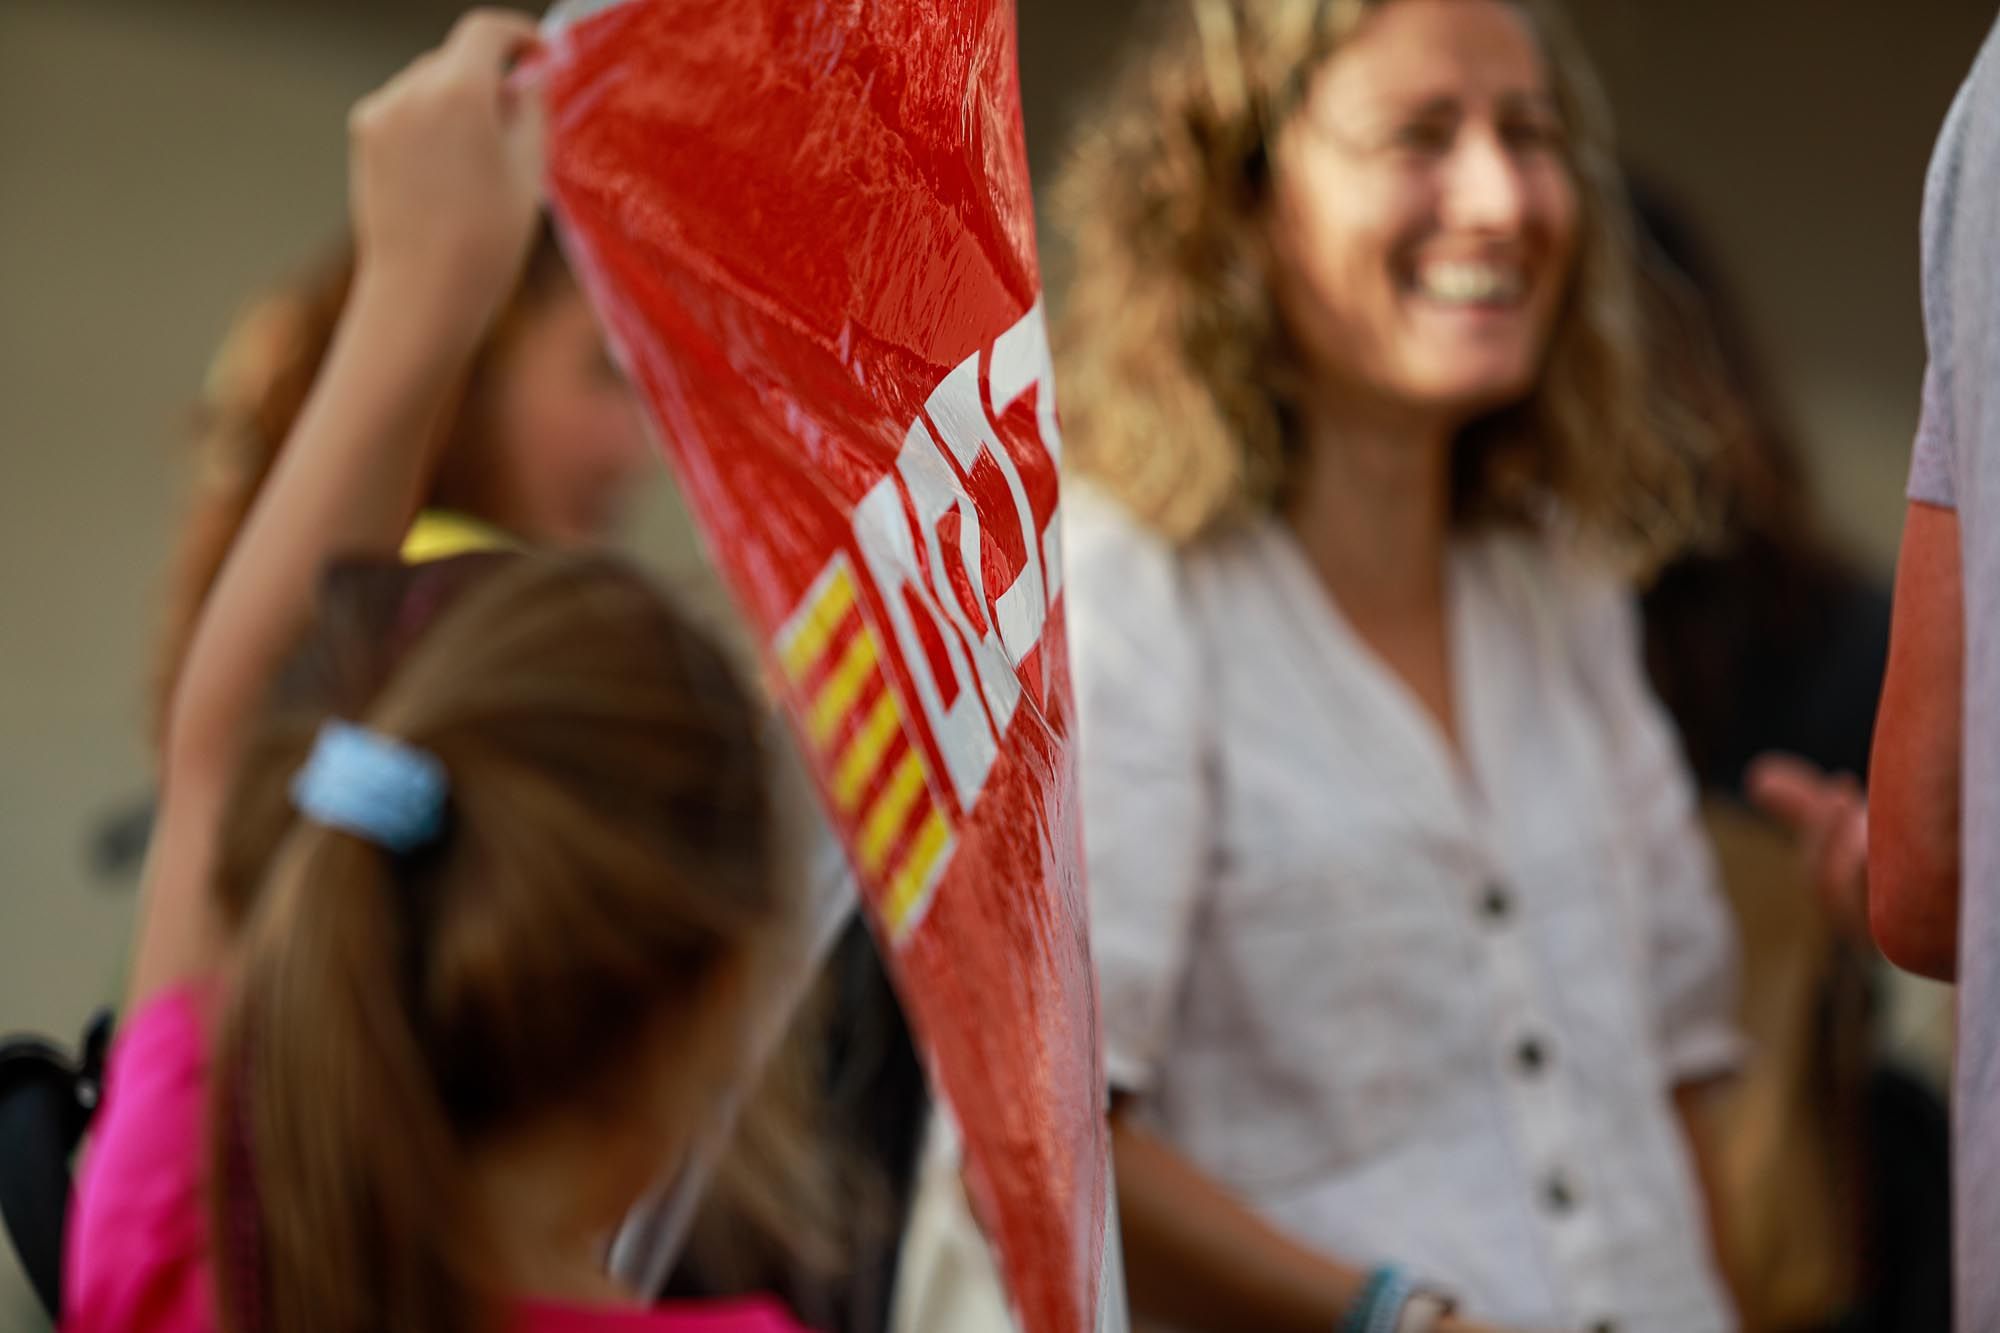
(1233, 150)
(1409, 945)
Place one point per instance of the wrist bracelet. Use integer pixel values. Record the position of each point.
(1379, 1308)
(1391, 1303)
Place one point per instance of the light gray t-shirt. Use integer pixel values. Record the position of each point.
(1957, 465)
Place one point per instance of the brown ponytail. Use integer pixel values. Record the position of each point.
(605, 879)
(342, 1199)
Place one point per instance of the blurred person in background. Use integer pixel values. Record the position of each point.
(1833, 1165)
(466, 889)
(1413, 962)
(542, 444)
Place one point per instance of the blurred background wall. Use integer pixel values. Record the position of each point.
(161, 158)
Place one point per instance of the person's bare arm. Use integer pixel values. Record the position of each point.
(444, 178)
(1196, 1257)
(1691, 1104)
(1913, 808)
(1886, 864)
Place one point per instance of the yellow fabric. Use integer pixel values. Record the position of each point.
(439, 534)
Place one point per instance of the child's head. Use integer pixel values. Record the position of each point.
(567, 963)
(547, 441)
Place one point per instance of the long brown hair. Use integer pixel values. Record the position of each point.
(606, 876)
(257, 384)
(1178, 378)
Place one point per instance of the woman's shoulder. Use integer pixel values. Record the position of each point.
(1115, 562)
(1116, 570)
(1135, 637)
(1098, 525)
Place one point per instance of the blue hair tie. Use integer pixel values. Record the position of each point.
(372, 786)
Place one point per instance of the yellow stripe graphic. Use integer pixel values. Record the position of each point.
(863, 754)
(810, 639)
(805, 646)
(886, 817)
(836, 697)
(907, 885)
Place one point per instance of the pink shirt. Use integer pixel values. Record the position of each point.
(137, 1258)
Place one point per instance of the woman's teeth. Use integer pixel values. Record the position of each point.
(1459, 283)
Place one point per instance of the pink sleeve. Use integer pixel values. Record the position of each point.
(137, 1252)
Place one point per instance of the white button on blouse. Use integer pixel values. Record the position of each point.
(1412, 1009)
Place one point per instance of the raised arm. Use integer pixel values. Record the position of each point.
(445, 165)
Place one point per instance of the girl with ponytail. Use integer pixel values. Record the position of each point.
(465, 885)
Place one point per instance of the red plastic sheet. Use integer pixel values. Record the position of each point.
(808, 228)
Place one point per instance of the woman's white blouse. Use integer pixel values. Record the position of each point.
(1412, 1010)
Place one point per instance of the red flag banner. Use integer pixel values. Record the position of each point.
(807, 227)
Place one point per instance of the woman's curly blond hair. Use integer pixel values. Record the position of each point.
(1178, 379)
